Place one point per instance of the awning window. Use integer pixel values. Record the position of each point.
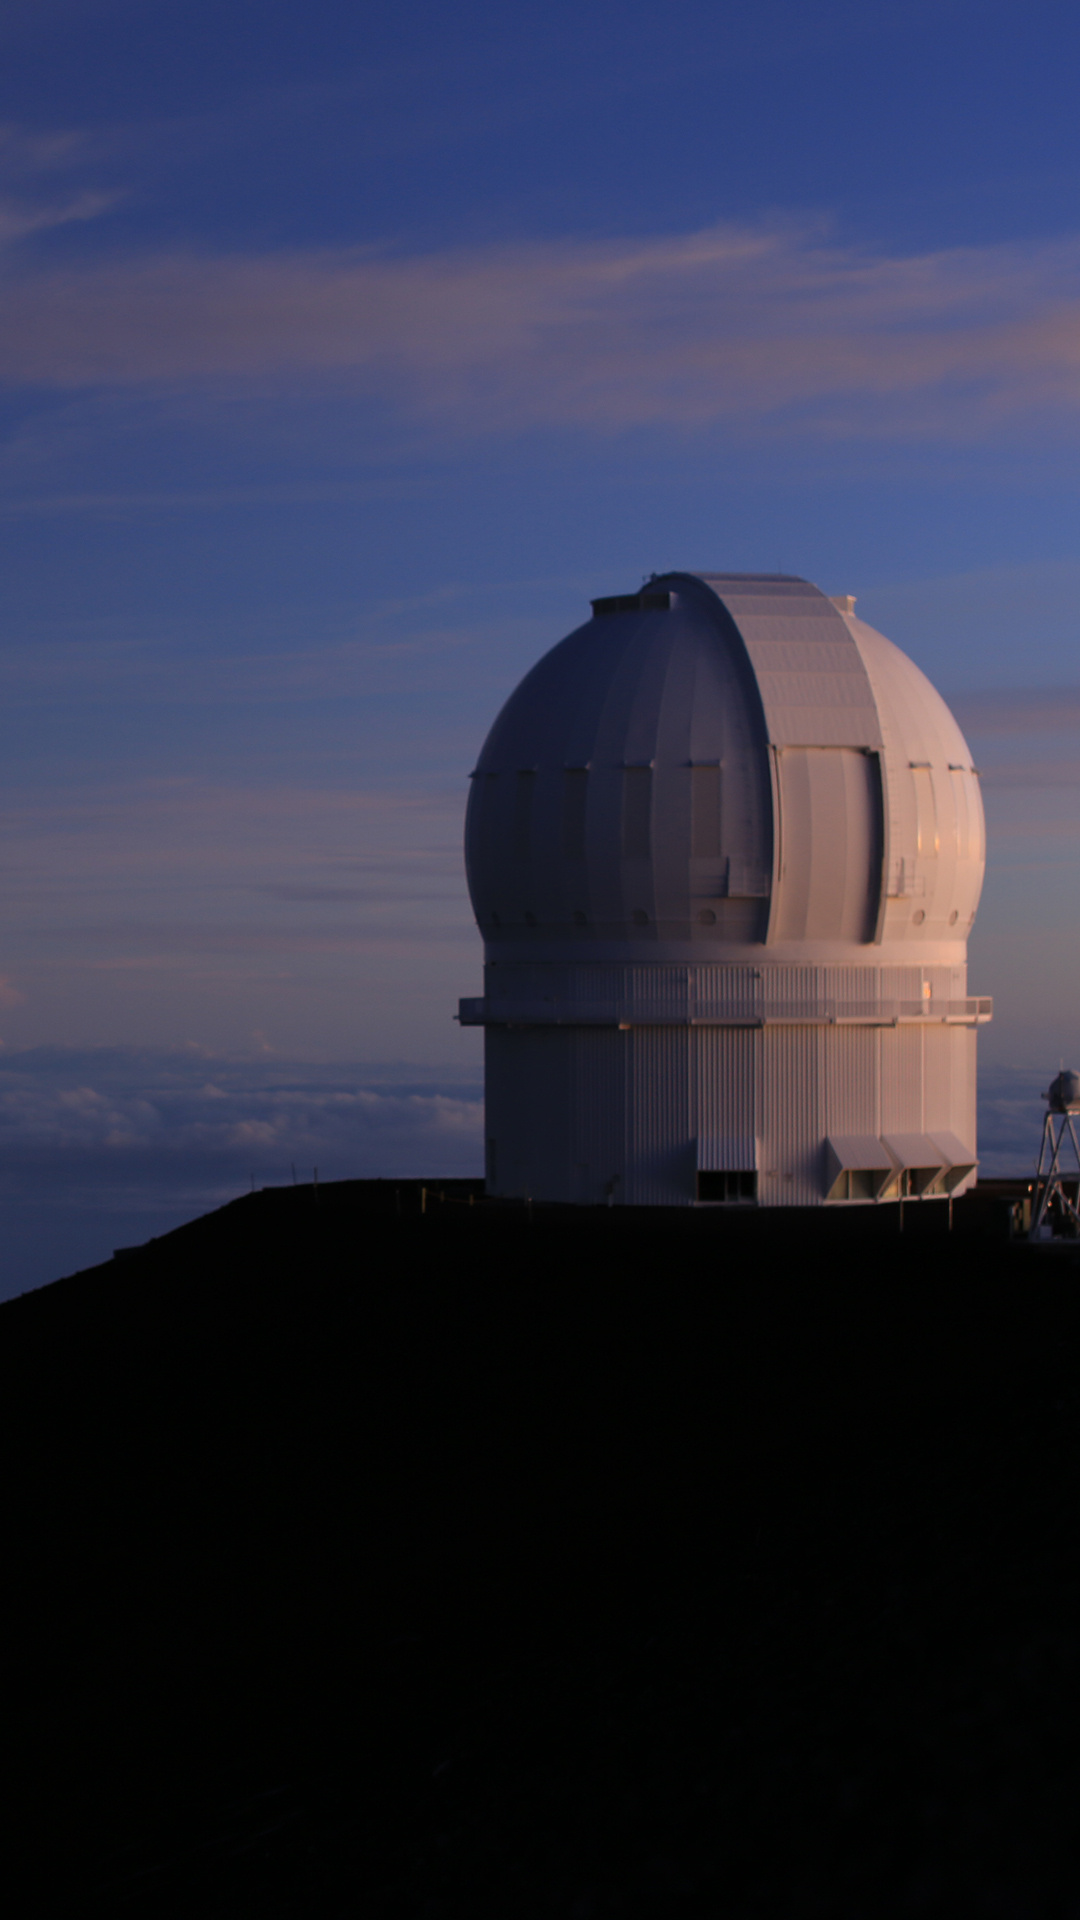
(857, 1167)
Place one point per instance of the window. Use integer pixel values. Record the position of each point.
(856, 1183)
(727, 1186)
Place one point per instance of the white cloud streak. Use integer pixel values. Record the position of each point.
(1032, 773)
(19, 218)
(1018, 710)
(731, 323)
(28, 151)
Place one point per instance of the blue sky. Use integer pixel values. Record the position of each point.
(345, 351)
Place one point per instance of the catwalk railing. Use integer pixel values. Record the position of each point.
(693, 1011)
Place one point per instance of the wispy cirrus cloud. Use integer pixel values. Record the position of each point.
(1009, 710)
(732, 323)
(293, 910)
(29, 151)
(1032, 773)
(30, 162)
(20, 218)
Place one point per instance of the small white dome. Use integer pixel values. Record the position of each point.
(719, 764)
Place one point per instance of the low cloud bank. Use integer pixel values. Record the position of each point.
(102, 1148)
(1011, 1112)
(106, 1148)
(251, 1116)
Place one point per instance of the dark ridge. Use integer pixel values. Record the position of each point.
(382, 1550)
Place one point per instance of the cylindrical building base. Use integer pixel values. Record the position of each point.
(781, 1115)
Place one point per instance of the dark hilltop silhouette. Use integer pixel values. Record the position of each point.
(389, 1551)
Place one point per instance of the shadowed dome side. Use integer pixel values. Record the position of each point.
(623, 791)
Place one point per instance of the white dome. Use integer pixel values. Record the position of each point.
(725, 845)
(724, 763)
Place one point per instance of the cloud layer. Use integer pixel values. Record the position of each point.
(228, 1115)
(105, 1147)
(680, 330)
(102, 1148)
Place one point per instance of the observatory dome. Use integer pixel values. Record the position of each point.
(725, 846)
(720, 763)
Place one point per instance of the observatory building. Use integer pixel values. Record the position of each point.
(725, 845)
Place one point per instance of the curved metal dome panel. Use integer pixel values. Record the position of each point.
(935, 828)
(811, 676)
(721, 763)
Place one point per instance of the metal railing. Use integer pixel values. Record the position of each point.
(750, 1011)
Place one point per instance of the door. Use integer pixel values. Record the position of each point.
(831, 844)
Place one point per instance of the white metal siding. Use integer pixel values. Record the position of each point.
(660, 1158)
(791, 1117)
(597, 1119)
(591, 1115)
(726, 1069)
(901, 1080)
